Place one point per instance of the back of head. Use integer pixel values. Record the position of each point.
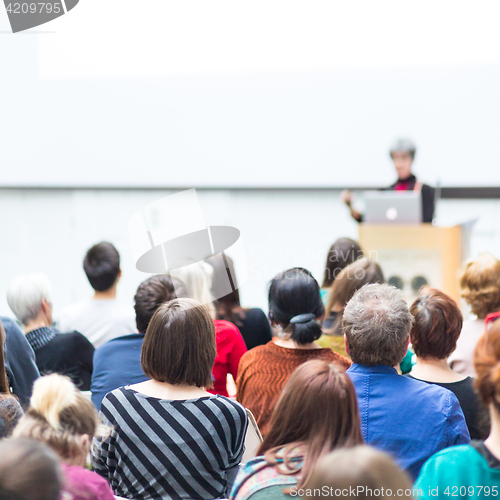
(295, 304)
(403, 146)
(179, 345)
(197, 277)
(480, 284)
(102, 266)
(377, 324)
(318, 408)
(59, 415)
(342, 253)
(351, 279)
(487, 365)
(151, 294)
(29, 470)
(371, 473)
(25, 295)
(223, 268)
(437, 326)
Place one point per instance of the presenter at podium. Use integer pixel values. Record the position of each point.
(402, 154)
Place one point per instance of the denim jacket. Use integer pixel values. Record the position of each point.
(409, 419)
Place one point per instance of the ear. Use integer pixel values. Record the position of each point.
(45, 305)
(346, 346)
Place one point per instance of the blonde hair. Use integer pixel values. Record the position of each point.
(59, 415)
(360, 466)
(480, 284)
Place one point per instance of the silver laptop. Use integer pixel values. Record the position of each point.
(393, 207)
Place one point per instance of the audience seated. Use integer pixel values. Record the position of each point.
(10, 409)
(61, 417)
(342, 253)
(118, 362)
(316, 413)
(20, 362)
(480, 287)
(170, 438)
(102, 317)
(347, 282)
(471, 471)
(252, 323)
(197, 278)
(408, 418)
(69, 354)
(295, 307)
(434, 335)
(371, 473)
(29, 470)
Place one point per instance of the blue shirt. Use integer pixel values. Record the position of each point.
(116, 363)
(409, 419)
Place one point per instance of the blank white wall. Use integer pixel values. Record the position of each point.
(50, 230)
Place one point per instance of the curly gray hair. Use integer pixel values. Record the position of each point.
(377, 324)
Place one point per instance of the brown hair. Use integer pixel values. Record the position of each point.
(487, 365)
(361, 466)
(179, 345)
(29, 470)
(350, 280)
(151, 294)
(59, 415)
(437, 326)
(342, 253)
(318, 409)
(480, 284)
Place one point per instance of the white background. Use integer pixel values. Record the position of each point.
(263, 93)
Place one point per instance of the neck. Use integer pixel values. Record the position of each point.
(493, 441)
(164, 390)
(109, 294)
(35, 324)
(291, 344)
(434, 370)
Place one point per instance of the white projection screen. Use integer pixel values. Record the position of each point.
(225, 93)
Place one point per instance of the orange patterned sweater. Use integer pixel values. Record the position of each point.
(264, 370)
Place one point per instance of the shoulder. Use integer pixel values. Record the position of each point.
(75, 338)
(119, 343)
(79, 479)
(233, 406)
(337, 358)
(255, 314)
(453, 458)
(225, 327)
(261, 351)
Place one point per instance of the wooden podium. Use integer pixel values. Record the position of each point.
(412, 255)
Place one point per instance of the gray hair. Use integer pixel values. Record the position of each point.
(377, 324)
(25, 295)
(403, 146)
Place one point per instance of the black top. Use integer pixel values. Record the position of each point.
(65, 353)
(476, 415)
(427, 197)
(481, 448)
(253, 325)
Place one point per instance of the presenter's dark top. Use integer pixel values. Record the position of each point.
(408, 184)
(65, 353)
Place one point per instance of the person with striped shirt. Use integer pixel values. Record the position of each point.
(172, 439)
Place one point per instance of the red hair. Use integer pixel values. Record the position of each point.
(487, 364)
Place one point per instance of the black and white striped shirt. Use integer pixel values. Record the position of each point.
(164, 449)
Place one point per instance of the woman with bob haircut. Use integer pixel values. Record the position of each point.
(480, 287)
(362, 466)
(64, 419)
(295, 308)
(170, 437)
(29, 470)
(316, 413)
(472, 470)
(348, 281)
(437, 326)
